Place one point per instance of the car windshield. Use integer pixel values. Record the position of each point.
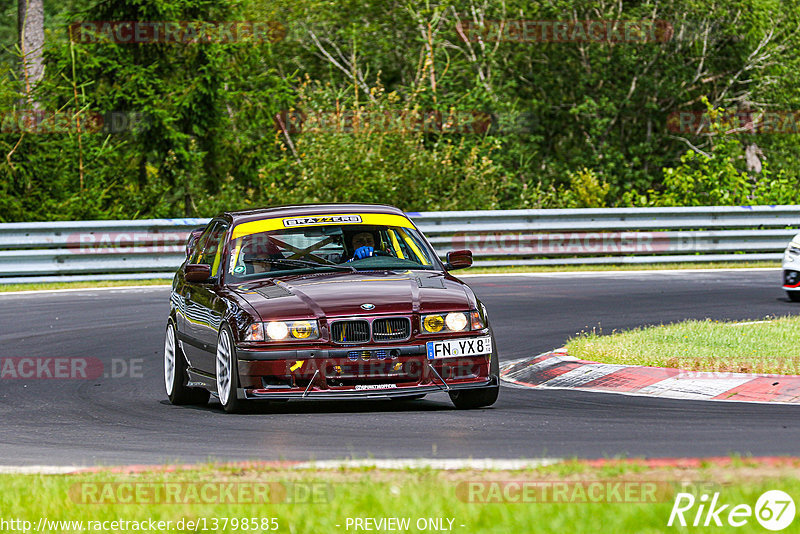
(346, 247)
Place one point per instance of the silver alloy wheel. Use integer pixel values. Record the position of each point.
(169, 359)
(224, 368)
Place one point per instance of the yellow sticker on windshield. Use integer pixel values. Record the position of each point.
(267, 225)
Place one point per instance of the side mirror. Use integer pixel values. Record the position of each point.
(197, 272)
(194, 235)
(458, 259)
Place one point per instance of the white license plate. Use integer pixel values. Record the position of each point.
(459, 348)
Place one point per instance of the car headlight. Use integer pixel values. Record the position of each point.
(792, 253)
(456, 321)
(277, 330)
(282, 330)
(452, 322)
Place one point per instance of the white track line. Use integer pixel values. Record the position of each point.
(38, 469)
(442, 464)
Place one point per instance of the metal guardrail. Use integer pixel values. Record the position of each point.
(154, 248)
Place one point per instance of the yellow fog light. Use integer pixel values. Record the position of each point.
(433, 323)
(302, 329)
(456, 321)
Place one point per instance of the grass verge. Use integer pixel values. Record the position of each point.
(4, 288)
(568, 497)
(768, 346)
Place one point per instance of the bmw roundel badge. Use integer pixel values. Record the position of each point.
(367, 306)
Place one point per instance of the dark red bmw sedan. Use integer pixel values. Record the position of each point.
(329, 301)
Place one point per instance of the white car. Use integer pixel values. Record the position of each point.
(791, 269)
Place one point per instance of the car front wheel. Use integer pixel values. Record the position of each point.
(467, 399)
(228, 373)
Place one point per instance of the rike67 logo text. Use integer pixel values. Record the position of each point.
(774, 510)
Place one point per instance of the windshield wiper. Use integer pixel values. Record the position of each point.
(309, 264)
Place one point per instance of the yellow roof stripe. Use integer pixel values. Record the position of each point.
(414, 248)
(266, 225)
(396, 245)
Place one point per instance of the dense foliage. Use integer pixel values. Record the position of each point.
(423, 105)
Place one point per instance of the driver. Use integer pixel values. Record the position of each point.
(363, 244)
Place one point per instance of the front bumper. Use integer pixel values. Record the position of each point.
(791, 280)
(357, 373)
(395, 393)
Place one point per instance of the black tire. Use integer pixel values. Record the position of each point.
(794, 296)
(175, 376)
(467, 399)
(227, 387)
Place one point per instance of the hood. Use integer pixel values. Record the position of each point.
(342, 294)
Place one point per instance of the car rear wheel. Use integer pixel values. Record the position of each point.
(228, 373)
(794, 296)
(175, 376)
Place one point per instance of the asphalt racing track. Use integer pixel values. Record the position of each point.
(127, 420)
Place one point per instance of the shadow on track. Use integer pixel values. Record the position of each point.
(331, 407)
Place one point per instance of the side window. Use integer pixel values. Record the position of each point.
(210, 245)
(201, 243)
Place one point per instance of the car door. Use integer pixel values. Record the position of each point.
(204, 307)
(193, 244)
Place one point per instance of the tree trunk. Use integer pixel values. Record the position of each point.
(31, 43)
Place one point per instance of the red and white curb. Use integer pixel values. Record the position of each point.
(557, 370)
